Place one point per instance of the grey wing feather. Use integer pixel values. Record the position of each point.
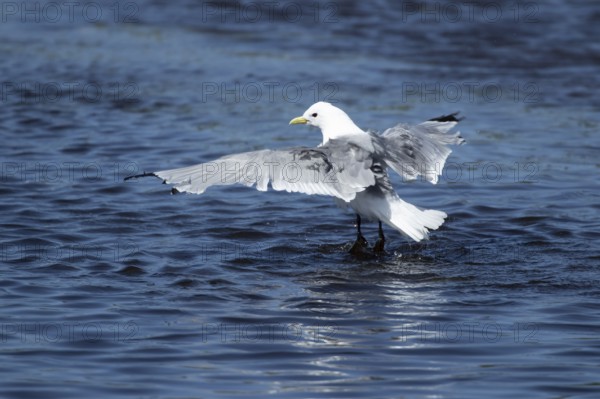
(417, 150)
(337, 169)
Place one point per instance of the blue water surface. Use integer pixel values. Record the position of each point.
(119, 289)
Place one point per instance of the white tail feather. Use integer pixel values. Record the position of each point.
(412, 221)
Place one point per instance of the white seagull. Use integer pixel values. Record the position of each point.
(350, 165)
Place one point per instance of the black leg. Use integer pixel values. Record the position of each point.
(358, 225)
(381, 241)
(361, 241)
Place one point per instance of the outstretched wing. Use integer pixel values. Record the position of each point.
(418, 150)
(339, 169)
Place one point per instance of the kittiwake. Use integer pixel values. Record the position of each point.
(350, 165)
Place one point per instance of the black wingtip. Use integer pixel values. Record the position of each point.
(138, 176)
(174, 191)
(448, 118)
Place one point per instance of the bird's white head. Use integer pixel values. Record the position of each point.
(332, 121)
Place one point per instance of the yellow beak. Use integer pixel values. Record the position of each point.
(299, 121)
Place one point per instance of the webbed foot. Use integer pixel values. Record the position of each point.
(359, 245)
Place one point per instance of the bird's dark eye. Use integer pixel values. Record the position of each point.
(314, 115)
